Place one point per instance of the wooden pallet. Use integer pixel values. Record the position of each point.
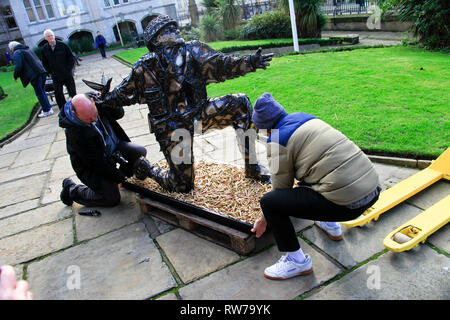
(240, 242)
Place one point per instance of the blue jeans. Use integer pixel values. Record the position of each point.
(38, 84)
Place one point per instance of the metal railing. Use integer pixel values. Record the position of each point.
(328, 7)
(339, 7)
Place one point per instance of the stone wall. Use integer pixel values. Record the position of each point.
(364, 23)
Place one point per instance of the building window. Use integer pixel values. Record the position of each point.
(49, 8)
(68, 7)
(41, 8)
(29, 9)
(9, 17)
(115, 2)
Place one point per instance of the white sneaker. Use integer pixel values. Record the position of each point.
(45, 114)
(286, 268)
(334, 233)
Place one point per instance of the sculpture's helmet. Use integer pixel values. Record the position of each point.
(155, 25)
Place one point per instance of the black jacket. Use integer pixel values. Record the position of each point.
(27, 65)
(60, 62)
(86, 149)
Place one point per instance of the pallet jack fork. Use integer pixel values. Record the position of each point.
(422, 226)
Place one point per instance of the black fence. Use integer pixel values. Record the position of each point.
(252, 8)
(328, 7)
(339, 7)
(249, 9)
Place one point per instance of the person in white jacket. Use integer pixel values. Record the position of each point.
(335, 181)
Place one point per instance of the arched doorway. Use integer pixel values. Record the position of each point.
(81, 41)
(79, 35)
(128, 31)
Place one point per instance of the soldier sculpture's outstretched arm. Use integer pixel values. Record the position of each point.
(217, 67)
(129, 91)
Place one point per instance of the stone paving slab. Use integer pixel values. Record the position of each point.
(245, 280)
(124, 264)
(34, 218)
(192, 256)
(22, 189)
(419, 274)
(31, 155)
(14, 209)
(62, 168)
(441, 238)
(391, 175)
(7, 159)
(58, 149)
(361, 243)
(18, 145)
(53, 187)
(431, 195)
(35, 243)
(25, 171)
(43, 129)
(145, 140)
(127, 212)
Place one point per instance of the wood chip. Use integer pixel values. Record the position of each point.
(221, 188)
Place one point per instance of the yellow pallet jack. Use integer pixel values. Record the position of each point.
(422, 226)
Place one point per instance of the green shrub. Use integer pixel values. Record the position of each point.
(308, 18)
(269, 25)
(210, 28)
(231, 34)
(193, 34)
(86, 44)
(430, 18)
(126, 37)
(75, 46)
(38, 52)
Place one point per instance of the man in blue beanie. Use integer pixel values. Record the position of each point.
(336, 181)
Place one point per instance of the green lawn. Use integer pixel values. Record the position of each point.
(391, 101)
(379, 98)
(16, 108)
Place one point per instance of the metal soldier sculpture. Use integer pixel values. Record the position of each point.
(171, 79)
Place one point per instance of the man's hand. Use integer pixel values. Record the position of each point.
(259, 227)
(10, 289)
(260, 61)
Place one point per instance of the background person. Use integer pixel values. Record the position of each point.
(29, 69)
(337, 182)
(93, 138)
(59, 62)
(100, 43)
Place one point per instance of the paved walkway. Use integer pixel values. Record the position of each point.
(125, 254)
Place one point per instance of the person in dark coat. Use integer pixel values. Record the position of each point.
(100, 43)
(59, 61)
(29, 69)
(96, 143)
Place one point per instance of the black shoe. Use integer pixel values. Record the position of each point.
(64, 195)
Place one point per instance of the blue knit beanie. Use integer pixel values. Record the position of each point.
(267, 112)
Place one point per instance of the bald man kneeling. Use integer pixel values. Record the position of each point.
(96, 144)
